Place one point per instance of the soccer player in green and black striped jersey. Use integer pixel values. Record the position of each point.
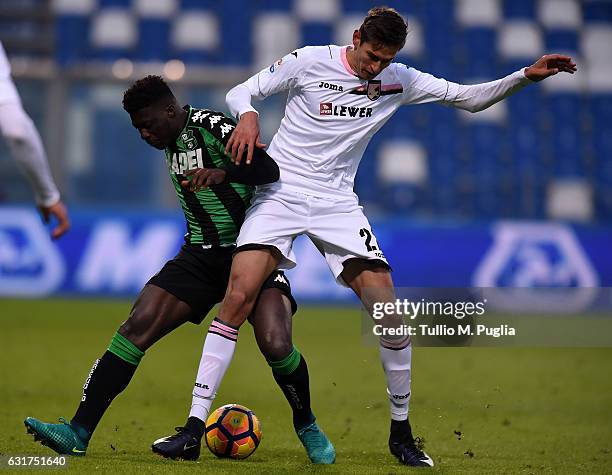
(214, 195)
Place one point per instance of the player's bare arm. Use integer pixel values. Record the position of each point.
(245, 136)
(60, 213)
(549, 65)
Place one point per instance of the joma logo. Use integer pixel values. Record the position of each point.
(333, 87)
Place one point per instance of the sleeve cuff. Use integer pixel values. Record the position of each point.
(48, 201)
(246, 109)
(523, 77)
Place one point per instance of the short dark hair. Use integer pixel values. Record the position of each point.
(384, 26)
(145, 92)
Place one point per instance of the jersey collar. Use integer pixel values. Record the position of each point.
(187, 108)
(345, 62)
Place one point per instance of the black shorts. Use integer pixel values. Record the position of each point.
(199, 277)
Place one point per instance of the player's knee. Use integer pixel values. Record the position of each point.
(238, 301)
(275, 345)
(136, 327)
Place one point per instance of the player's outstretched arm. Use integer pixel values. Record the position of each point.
(423, 87)
(478, 97)
(549, 65)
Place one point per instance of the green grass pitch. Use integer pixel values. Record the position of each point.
(480, 410)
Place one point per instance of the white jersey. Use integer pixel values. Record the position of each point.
(331, 114)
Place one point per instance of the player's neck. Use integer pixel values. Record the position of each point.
(351, 59)
(181, 121)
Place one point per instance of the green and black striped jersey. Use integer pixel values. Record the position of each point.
(214, 215)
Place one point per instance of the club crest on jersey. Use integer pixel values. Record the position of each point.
(374, 89)
(189, 140)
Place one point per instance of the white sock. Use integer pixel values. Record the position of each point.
(217, 355)
(396, 364)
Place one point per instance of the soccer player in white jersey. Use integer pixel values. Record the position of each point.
(27, 150)
(339, 96)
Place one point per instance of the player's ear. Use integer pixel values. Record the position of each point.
(171, 111)
(356, 38)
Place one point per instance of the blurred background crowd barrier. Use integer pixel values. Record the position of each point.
(526, 185)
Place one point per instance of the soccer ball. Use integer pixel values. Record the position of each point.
(233, 431)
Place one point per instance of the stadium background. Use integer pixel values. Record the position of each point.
(519, 195)
(435, 181)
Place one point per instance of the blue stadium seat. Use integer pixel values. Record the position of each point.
(196, 36)
(406, 123)
(443, 126)
(509, 66)
(519, 9)
(597, 11)
(566, 140)
(236, 31)
(315, 33)
(114, 34)
(478, 53)
(272, 5)
(530, 198)
(444, 199)
(438, 15)
(525, 108)
(486, 144)
(565, 108)
(446, 149)
(600, 106)
(354, 6)
(154, 39)
(114, 3)
(404, 198)
(567, 152)
(526, 150)
(438, 29)
(71, 38)
(405, 8)
(366, 181)
(199, 4)
(601, 109)
(602, 141)
(108, 184)
(561, 40)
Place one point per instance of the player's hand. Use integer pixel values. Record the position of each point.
(59, 212)
(203, 178)
(549, 65)
(244, 136)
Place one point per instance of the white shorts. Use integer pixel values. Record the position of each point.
(338, 228)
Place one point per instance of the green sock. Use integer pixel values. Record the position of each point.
(288, 364)
(108, 377)
(125, 349)
(291, 374)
